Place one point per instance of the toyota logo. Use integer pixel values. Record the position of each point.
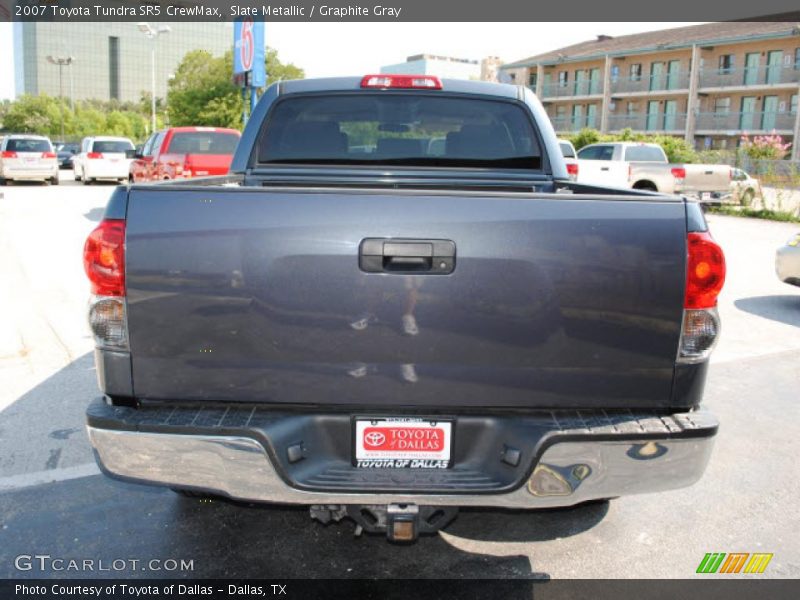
(374, 438)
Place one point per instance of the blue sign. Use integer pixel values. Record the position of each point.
(248, 51)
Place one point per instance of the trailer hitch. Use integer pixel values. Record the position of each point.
(401, 522)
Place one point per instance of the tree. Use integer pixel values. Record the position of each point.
(34, 114)
(203, 93)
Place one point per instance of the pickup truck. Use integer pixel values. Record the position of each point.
(184, 152)
(643, 166)
(385, 329)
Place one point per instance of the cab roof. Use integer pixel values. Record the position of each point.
(343, 84)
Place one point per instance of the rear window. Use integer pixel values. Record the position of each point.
(203, 142)
(644, 154)
(596, 153)
(566, 150)
(111, 146)
(399, 129)
(28, 145)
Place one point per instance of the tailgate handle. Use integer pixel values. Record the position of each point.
(406, 256)
(604, 168)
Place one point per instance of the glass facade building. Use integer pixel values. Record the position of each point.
(110, 60)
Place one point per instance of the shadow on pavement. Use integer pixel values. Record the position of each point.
(97, 518)
(784, 309)
(496, 525)
(43, 429)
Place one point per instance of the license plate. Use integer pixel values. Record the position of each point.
(403, 443)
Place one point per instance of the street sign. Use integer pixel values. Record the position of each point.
(248, 52)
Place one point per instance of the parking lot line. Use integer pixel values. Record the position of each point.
(24, 480)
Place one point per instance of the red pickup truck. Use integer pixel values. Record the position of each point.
(184, 152)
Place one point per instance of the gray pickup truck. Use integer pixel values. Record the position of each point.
(398, 304)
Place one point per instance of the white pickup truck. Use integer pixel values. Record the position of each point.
(645, 167)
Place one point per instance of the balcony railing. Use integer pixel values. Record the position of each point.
(750, 76)
(651, 83)
(587, 87)
(561, 124)
(746, 121)
(655, 122)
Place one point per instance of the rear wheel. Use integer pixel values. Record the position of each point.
(647, 186)
(746, 198)
(75, 174)
(87, 181)
(54, 181)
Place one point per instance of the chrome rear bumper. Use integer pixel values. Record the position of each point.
(567, 473)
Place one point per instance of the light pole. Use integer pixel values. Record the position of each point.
(61, 61)
(153, 33)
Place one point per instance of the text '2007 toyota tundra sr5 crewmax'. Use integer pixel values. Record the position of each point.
(398, 304)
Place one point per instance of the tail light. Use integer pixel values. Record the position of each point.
(94, 155)
(679, 173)
(572, 171)
(705, 276)
(48, 154)
(401, 82)
(104, 263)
(8, 154)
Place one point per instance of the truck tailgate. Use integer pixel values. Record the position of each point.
(256, 295)
(706, 178)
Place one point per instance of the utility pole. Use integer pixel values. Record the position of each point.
(152, 33)
(61, 62)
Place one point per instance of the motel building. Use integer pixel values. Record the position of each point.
(708, 83)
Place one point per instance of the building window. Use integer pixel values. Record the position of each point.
(793, 104)
(563, 78)
(113, 68)
(636, 71)
(561, 111)
(797, 59)
(533, 78)
(614, 73)
(727, 63)
(631, 108)
(722, 105)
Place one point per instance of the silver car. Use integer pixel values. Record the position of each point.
(787, 261)
(28, 158)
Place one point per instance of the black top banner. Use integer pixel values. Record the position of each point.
(397, 10)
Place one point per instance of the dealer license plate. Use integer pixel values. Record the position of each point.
(403, 443)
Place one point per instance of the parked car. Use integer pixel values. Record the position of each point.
(105, 157)
(570, 159)
(65, 152)
(390, 334)
(645, 167)
(27, 157)
(744, 189)
(185, 152)
(787, 261)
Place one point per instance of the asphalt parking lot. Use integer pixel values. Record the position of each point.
(54, 501)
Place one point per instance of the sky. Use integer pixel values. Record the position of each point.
(330, 49)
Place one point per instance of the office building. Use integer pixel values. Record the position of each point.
(109, 60)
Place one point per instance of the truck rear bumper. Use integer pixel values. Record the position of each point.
(568, 464)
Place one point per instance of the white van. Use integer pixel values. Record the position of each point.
(26, 157)
(103, 158)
